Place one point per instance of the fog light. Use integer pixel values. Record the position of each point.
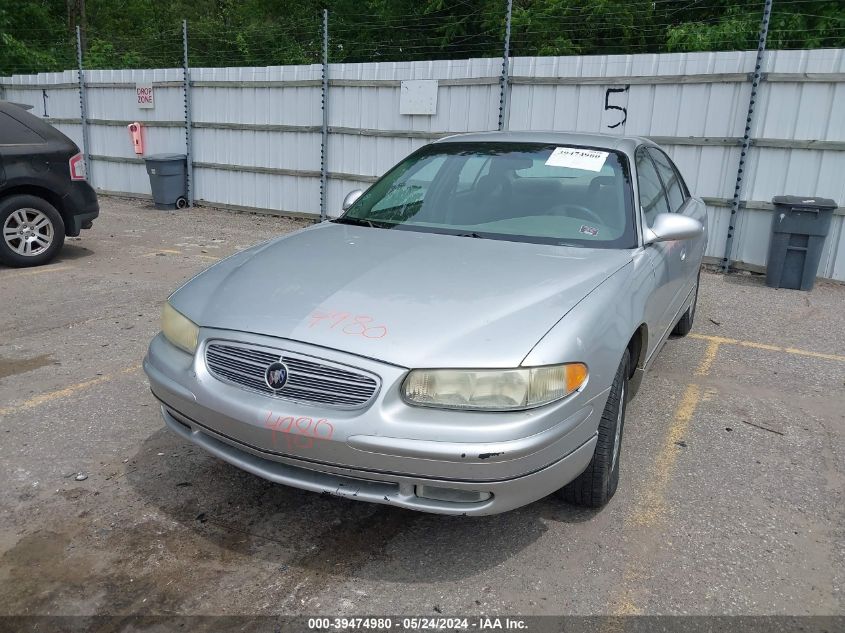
(451, 494)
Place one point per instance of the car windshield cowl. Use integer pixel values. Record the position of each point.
(358, 222)
(524, 192)
(457, 233)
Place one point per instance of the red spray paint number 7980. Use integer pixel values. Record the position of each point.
(348, 323)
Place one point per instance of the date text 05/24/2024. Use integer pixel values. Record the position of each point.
(483, 623)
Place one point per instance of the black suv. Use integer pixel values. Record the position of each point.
(44, 195)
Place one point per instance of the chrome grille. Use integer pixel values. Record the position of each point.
(310, 380)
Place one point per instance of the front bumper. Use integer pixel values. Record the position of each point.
(381, 453)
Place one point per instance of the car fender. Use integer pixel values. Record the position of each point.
(598, 330)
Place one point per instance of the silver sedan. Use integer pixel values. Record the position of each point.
(462, 340)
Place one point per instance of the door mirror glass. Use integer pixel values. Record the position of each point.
(351, 197)
(668, 227)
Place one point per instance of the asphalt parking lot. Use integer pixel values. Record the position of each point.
(730, 502)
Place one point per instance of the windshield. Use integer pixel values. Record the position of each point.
(527, 192)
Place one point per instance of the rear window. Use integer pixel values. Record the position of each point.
(13, 132)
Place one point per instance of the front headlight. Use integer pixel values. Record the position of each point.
(493, 389)
(179, 329)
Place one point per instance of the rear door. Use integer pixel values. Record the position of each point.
(689, 252)
(652, 198)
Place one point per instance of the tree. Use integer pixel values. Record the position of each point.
(38, 35)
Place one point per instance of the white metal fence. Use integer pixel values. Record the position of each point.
(256, 132)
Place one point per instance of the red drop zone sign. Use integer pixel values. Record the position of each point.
(144, 95)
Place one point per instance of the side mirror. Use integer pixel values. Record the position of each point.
(351, 197)
(668, 227)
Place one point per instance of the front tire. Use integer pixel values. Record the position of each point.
(597, 484)
(31, 231)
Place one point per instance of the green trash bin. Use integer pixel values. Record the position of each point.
(799, 228)
(168, 180)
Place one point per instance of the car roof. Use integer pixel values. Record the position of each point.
(626, 144)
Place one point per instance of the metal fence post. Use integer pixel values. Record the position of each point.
(83, 107)
(756, 78)
(324, 142)
(189, 139)
(504, 80)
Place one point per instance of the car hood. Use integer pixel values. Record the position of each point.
(410, 298)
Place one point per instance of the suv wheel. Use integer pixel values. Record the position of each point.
(597, 484)
(32, 231)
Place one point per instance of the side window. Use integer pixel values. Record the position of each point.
(670, 178)
(13, 132)
(652, 196)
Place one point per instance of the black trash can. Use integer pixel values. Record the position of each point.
(799, 228)
(168, 180)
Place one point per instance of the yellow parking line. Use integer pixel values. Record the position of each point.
(37, 271)
(709, 358)
(770, 348)
(720, 340)
(625, 606)
(650, 508)
(64, 393)
(168, 251)
(653, 505)
(803, 352)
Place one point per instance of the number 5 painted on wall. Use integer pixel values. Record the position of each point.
(607, 105)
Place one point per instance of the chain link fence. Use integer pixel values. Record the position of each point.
(40, 36)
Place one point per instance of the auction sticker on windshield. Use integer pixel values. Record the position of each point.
(576, 158)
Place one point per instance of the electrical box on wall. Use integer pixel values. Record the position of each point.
(418, 96)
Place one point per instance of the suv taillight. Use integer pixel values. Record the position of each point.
(77, 167)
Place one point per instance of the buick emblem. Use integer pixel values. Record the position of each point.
(276, 376)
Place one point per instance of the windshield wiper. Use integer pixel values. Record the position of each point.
(356, 222)
(473, 234)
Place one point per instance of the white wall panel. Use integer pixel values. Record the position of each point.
(119, 177)
(262, 191)
(285, 150)
(797, 111)
(460, 108)
(114, 140)
(275, 104)
(709, 112)
(61, 102)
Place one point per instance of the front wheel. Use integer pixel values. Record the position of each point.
(597, 484)
(32, 231)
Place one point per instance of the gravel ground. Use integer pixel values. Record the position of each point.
(731, 499)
